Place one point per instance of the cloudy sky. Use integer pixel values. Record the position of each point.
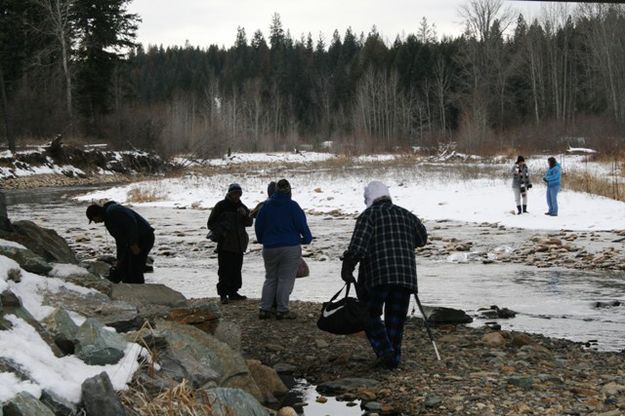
(205, 22)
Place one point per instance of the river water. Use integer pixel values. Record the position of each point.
(556, 302)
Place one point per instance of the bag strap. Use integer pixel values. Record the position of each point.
(347, 285)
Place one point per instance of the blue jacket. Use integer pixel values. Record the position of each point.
(552, 177)
(282, 223)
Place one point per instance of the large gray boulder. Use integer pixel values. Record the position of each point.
(62, 328)
(200, 354)
(45, 242)
(148, 294)
(99, 397)
(27, 260)
(25, 404)
(228, 401)
(96, 345)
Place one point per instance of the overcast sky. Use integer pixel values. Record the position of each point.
(206, 22)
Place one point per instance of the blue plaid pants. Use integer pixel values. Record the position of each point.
(385, 336)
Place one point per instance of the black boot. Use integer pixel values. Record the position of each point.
(525, 209)
(518, 207)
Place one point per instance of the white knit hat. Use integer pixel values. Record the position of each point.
(375, 190)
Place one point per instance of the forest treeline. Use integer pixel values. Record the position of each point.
(72, 67)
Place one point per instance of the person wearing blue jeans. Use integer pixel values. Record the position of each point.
(552, 179)
(384, 241)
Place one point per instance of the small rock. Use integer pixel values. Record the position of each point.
(322, 399)
(287, 411)
(494, 339)
(432, 400)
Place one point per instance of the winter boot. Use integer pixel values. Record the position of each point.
(518, 207)
(525, 209)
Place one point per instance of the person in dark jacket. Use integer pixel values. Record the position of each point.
(281, 228)
(228, 220)
(384, 241)
(552, 179)
(134, 238)
(520, 184)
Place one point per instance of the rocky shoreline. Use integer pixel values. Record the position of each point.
(482, 371)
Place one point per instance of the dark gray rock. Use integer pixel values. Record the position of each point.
(25, 404)
(523, 382)
(495, 312)
(229, 401)
(373, 406)
(91, 281)
(99, 397)
(345, 385)
(148, 294)
(204, 357)
(63, 330)
(58, 405)
(230, 333)
(96, 345)
(98, 268)
(432, 400)
(42, 241)
(27, 259)
(444, 316)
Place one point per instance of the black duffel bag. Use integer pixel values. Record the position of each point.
(344, 316)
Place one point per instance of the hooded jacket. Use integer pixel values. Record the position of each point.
(282, 223)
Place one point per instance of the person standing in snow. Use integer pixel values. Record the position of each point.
(228, 220)
(134, 238)
(281, 228)
(552, 179)
(520, 184)
(384, 241)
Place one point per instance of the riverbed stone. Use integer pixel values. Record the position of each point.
(268, 381)
(204, 317)
(494, 340)
(96, 345)
(206, 358)
(345, 385)
(99, 397)
(27, 259)
(438, 315)
(58, 405)
(98, 268)
(229, 401)
(25, 404)
(148, 294)
(44, 242)
(63, 329)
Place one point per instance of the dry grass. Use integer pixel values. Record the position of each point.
(612, 187)
(138, 195)
(181, 400)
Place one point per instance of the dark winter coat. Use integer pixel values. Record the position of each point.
(126, 226)
(282, 223)
(520, 176)
(384, 242)
(229, 225)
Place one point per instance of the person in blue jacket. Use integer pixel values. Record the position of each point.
(134, 238)
(552, 179)
(281, 228)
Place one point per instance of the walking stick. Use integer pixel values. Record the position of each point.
(427, 326)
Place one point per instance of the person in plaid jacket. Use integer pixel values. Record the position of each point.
(384, 241)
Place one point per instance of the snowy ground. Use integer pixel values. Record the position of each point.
(24, 347)
(434, 191)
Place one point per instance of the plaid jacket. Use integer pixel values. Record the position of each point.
(384, 242)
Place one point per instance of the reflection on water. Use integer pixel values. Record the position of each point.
(302, 397)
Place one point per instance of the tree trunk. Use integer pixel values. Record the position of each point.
(5, 112)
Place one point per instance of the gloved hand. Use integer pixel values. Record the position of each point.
(545, 180)
(529, 186)
(347, 269)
